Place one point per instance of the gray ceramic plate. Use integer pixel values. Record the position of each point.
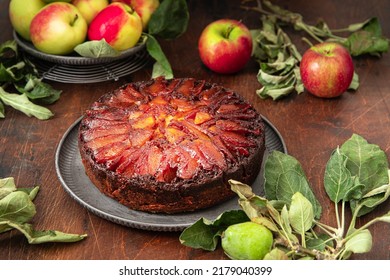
(71, 173)
(74, 58)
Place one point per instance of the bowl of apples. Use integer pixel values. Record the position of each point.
(81, 32)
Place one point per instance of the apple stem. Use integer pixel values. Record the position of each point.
(74, 20)
(228, 31)
(307, 41)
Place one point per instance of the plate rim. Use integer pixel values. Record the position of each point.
(71, 59)
(127, 222)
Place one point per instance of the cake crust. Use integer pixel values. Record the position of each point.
(170, 146)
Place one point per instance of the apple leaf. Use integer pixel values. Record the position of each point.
(368, 40)
(170, 20)
(366, 161)
(290, 208)
(18, 71)
(361, 242)
(96, 49)
(161, 67)
(204, 234)
(22, 103)
(38, 91)
(278, 59)
(17, 210)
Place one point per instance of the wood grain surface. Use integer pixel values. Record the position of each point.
(311, 128)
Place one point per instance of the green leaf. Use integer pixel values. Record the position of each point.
(32, 192)
(38, 237)
(355, 82)
(274, 93)
(285, 224)
(96, 49)
(7, 186)
(373, 26)
(337, 180)
(163, 67)
(359, 243)
(284, 176)
(23, 104)
(301, 213)
(356, 26)
(355, 192)
(44, 93)
(204, 234)
(265, 222)
(170, 20)
(16, 207)
(368, 40)
(277, 163)
(292, 182)
(276, 254)
(9, 45)
(39, 91)
(11, 74)
(366, 161)
(319, 243)
(372, 199)
(385, 218)
(253, 205)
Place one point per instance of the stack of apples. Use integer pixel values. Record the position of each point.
(57, 27)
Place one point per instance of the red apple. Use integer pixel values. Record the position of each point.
(225, 46)
(144, 8)
(326, 69)
(21, 13)
(118, 24)
(58, 28)
(90, 8)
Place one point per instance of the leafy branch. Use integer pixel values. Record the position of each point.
(357, 174)
(17, 209)
(279, 58)
(17, 72)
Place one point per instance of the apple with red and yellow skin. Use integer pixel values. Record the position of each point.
(52, 1)
(144, 8)
(118, 24)
(58, 28)
(21, 13)
(90, 8)
(326, 69)
(225, 46)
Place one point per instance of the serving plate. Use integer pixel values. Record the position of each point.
(74, 58)
(71, 174)
(75, 69)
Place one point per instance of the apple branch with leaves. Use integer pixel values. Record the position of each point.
(357, 174)
(279, 58)
(19, 74)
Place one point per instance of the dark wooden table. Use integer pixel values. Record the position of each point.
(311, 128)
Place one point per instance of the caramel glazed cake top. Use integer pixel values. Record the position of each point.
(168, 134)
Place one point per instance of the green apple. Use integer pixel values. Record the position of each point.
(247, 241)
(144, 8)
(58, 28)
(90, 8)
(21, 13)
(118, 24)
